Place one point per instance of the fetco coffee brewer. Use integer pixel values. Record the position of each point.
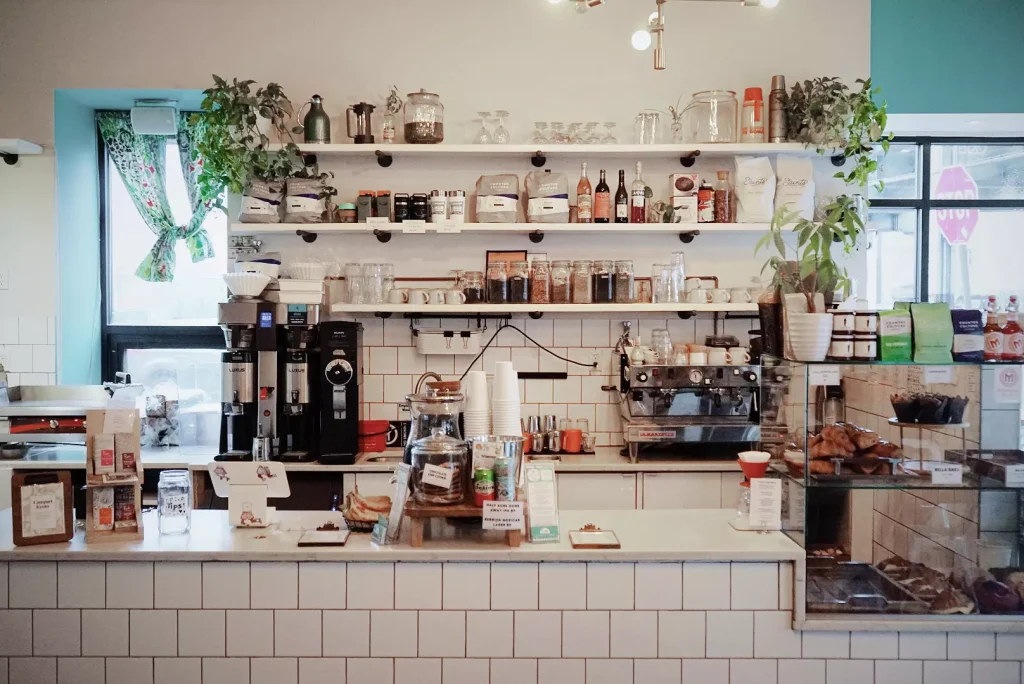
(248, 376)
(340, 378)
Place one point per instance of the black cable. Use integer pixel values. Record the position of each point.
(535, 342)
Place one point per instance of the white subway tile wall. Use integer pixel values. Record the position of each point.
(530, 623)
(28, 350)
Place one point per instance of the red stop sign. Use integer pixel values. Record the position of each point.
(956, 224)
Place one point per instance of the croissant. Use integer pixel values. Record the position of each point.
(821, 468)
(886, 449)
(837, 434)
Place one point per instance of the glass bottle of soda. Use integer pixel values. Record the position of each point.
(993, 331)
(1013, 335)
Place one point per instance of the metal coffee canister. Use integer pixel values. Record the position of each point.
(316, 125)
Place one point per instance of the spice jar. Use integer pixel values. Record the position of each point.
(540, 282)
(174, 501)
(424, 118)
(624, 282)
(497, 282)
(582, 292)
(439, 469)
(473, 287)
(602, 275)
(519, 282)
(561, 278)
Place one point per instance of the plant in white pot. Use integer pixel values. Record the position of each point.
(805, 264)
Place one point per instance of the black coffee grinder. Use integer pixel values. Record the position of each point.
(248, 333)
(298, 407)
(340, 377)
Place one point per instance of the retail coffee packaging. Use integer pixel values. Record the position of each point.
(126, 453)
(933, 332)
(684, 184)
(497, 199)
(968, 335)
(755, 190)
(103, 508)
(795, 185)
(895, 339)
(547, 197)
(103, 453)
(684, 209)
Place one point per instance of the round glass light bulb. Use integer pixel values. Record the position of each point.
(555, 2)
(581, 6)
(769, 3)
(641, 40)
(651, 19)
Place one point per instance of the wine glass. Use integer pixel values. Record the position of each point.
(540, 135)
(609, 137)
(501, 134)
(591, 137)
(574, 133)
(558, 133)
(483, 136)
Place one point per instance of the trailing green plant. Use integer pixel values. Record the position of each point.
(235, 151)
(803, 261)
(825, 112)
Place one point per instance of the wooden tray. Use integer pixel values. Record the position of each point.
(418, 513)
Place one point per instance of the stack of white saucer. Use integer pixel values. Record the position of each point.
(505, 401)
(476, 417)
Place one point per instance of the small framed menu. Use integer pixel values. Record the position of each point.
(43, 508)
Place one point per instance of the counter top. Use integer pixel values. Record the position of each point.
(690, 535)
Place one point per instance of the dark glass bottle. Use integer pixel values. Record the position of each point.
(602, 201)
(622, 200)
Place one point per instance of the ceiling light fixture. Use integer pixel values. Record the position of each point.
(656, 25)
(641, 40)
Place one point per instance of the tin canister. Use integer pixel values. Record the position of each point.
(504, 479)
(483, 486)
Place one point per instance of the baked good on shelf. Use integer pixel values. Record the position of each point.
(886, 449)
(862, 438)
(1015, 580)
(952, 602)
(365, 509)
(837, 437)
(822, 468)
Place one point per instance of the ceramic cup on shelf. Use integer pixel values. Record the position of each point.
(718, 356)
(455, 297)
(739, 356)
(419, 297)
(398, 296)
(691, 284)
(698, 358)
(572, 440)
(651, 357)
(740, 295)
(698, 296)
(437, 296)
(720, 296)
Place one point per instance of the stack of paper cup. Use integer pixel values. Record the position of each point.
(476, 417)
(505, 401)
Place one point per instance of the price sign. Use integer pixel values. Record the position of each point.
(948, 474)
(1015, 476)
(448, 227)
(938, 375)
(414, 227)
(116, 421)
(378, 221)
(437, 476)
(823, 376)
(504, 515)
(765, 503)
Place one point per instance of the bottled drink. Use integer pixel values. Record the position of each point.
(584, 198)
(602, 201)
(1013, 336)
(638, 198)
(622, 200)
(705, 203)
(993, 332)
(723, 198)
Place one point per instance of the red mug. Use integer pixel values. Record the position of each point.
(572, 441)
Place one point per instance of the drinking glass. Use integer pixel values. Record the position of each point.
(354, 282)
(659, 276)
(677, 288)
(558, 133)
(591, 137)
(583, 425)
(574, 133)
(609, 137)
(501, 134)
(540, 133)
(483, 136)
(373, 284)
(661, 342)
(387, 273)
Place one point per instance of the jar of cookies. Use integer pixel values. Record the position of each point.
(439, 469)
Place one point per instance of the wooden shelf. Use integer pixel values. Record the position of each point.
(12, 148)
(236, 228)
(706, 149)
(473, 309)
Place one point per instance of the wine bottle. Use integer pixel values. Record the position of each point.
(622, 200)
(638, 195)
(602, 201)
(584, 198)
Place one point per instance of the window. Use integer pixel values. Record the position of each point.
(164, 334)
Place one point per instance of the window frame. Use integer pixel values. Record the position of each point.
(925, 203)
(115, 340)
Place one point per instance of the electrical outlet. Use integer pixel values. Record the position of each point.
(595, 358)
(4, 278)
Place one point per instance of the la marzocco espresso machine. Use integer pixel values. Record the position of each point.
(689, 410)
(298, 405)
(248, 376)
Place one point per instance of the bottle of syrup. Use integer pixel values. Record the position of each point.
(993, 331)
(1013, 336)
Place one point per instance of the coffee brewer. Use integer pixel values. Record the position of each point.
(341, 375)
(298, 414)
(248, 376)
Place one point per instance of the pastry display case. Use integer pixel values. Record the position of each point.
(903, 483)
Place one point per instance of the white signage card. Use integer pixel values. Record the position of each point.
(948, 474)
(823, 376)
(1015, 476)
(765, 503)
(504, 515)
(414, 226)
(377, 221)
(1008, 385)
(938, 375)
(117, 421)
(437, 476)
(484, 454)
(42, 510)
(449, 227)
(542, 499)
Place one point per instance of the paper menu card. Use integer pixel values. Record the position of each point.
(541, 502)
(766, 503)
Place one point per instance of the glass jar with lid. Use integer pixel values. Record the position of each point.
(602, 275)
(473, 287)
(436, 408)
(519, 282)
(540, 282)
(624, 282)
(582, 286)
(561, 279)
(424, 118)
(174, 501)
(497, 282)
(440, 468)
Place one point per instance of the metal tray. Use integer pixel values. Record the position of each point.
(858, 588)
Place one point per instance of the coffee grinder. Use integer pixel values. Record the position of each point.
(298, 413)
(341, 375)
(248, 375)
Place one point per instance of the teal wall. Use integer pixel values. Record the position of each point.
(949, 56)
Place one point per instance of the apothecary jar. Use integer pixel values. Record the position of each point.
(424, 118)
(174, 501)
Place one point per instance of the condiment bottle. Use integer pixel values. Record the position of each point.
(992, 331)
(723, 198)
(752, 128)
(1013, 336)
(705, 203)
(777, 126)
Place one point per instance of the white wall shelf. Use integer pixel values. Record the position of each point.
(12, 148)
(473, 309)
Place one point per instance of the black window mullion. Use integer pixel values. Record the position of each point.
(924, 220)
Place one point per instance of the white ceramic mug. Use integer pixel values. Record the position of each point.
(651, 357)
(698, 359)
(419, 297)
(437, 296)
(719, 357)
(691, 284)
(698, 296)
(720, 296)
(398, 296)
(455, 297)
(739, 356)
(740, 295)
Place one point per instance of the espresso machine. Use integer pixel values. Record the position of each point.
(689, 410)
(340, 376)
(298, 407)
(248, 376)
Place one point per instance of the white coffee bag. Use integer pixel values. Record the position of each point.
(795, 185)
(755, 190)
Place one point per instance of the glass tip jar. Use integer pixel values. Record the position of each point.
(174, 502)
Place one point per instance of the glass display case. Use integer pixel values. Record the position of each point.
(903, 483)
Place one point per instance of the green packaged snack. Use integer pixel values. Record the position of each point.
(895, 338)
(933, 333)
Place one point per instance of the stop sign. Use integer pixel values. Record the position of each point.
(956, 224)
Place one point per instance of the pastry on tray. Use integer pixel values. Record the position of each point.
(365, 509)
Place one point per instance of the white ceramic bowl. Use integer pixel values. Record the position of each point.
(307, 270)
(269, 270)
(246, 284)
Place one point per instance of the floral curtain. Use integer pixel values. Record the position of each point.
(141, 162)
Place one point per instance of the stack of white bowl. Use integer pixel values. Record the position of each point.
(505, 401)
(476, 417)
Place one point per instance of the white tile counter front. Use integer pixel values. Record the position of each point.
(686, 600)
